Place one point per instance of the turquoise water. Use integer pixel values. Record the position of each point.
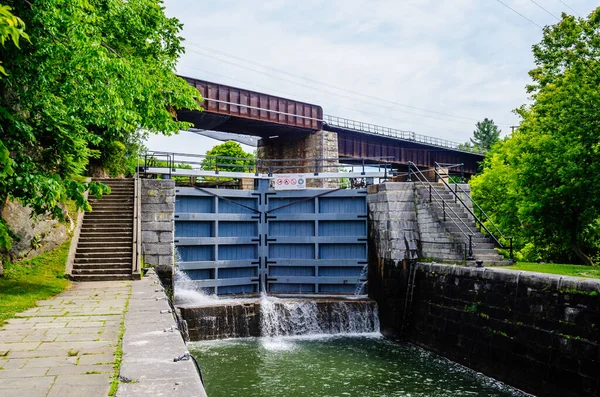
(334, 366)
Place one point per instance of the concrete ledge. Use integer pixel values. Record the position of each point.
(529, 279)
(148, 368)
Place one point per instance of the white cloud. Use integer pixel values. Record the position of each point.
(468, 58)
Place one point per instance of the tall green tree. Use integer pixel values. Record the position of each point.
(95, 72)
(555, 154)
(486, 134)
(228, 156)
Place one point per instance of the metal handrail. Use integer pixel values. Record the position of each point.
(443, 205)
(387, 131)
(468, 195)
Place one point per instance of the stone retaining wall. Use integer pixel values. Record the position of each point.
(158, 212)
(534, 331)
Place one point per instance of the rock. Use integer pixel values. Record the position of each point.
(36, 236)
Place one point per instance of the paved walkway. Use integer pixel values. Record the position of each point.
(66, 345)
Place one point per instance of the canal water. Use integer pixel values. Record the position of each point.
(328, 365)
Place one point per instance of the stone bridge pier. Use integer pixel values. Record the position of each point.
(317, 145)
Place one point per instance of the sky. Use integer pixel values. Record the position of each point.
(429, 66)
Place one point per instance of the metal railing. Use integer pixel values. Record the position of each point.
(170, 161)
(447, 210)
(390, 132)
(478, 220)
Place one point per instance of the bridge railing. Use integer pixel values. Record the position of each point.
(387, 131)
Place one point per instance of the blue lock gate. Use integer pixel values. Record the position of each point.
(311, 241)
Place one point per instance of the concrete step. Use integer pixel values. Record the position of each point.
(104, 240)
(104, 259)
(113, 220)
(100, 271)
(107, 227)
(104, 277)
(105, 249)
(99, 254)
(121, 265)
(119, 234)
(484, 251)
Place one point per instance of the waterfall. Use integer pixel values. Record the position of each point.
(213, 317)
(290, 317)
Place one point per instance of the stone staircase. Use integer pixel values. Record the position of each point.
(105, 246)
(456, 214)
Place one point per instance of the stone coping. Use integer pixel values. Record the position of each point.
(532, 279)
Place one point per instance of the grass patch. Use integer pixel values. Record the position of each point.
(555, 268)
(114, 385)
(28, 281)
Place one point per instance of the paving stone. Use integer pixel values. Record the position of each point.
(13, 363)
(84, 380)
(51, 362)
(6, 336)
(79, 390)
(19, 346)
(95, 359)
(81, 369)
(23, 372)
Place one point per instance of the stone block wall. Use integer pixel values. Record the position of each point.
(158, 214)
(534, 331)
(320, 144)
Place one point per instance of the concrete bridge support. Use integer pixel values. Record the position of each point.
(320, 144)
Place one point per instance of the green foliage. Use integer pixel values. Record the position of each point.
(35, 279)
(94, 75)
(540, 184)
(11, 27)
(230, 157)
(485, 135)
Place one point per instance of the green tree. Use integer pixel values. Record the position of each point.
(485, 135)
(95, 73)
(230, 157)
(553, 157)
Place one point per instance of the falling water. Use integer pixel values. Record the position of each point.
(289, 317)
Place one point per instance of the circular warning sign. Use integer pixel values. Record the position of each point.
(279, 181)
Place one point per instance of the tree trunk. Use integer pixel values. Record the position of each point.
(96, 170)
(587, 260)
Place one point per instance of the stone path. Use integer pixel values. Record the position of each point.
(65, 346)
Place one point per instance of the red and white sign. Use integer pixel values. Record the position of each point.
(290, 182)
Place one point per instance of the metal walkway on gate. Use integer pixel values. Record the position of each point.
(311, 241)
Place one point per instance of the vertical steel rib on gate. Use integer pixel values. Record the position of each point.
(311, 241)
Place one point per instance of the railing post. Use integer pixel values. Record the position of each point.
(430, 198)
(462, 172)
(363, 166)
(435, 173)
(316, 167)
(444, 209)
(455, 191)
(409, 174)
(470, 257)
(256, 161)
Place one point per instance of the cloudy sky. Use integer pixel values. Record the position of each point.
(429, 66)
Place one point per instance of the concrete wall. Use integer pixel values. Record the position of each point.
(534, 331)
(158, 211)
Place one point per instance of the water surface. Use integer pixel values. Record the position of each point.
(328, 366)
